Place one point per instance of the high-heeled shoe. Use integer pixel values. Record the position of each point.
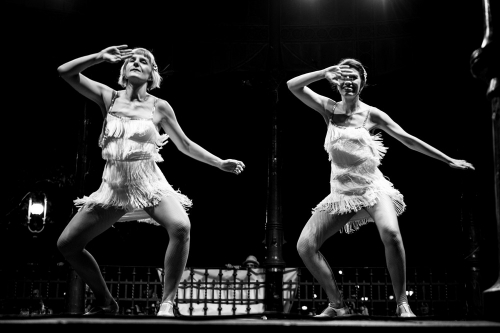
(331, 312)
(403, 310)
(166, 309)
(98, 310)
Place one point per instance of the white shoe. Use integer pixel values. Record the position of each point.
(166, 309)
(403, 310)
(331, 312)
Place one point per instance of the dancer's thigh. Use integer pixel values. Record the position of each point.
(170, 214)
(385, 217)
(323, 225)
(86, 224)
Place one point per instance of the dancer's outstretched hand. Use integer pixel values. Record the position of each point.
(233, 166)
(461, 164)
(114, 54)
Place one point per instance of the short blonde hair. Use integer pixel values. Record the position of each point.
(155, 76)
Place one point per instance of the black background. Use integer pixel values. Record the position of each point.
(431, 94)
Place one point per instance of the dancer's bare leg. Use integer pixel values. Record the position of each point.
(170, 214)
(83, 227)
(318, 229)
(386, 220)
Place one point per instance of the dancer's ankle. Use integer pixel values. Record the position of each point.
(336, 304)
(402, 300)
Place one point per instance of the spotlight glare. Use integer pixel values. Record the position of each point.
(340, 272)
(38, 211)
(37, 208)
(304, 308)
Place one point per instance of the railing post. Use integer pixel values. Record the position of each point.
(484, 65)
(471, 249)
(75, 294)
(274, 263)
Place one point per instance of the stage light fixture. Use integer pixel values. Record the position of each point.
(37, 212)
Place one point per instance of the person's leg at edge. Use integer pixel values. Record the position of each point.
(318, 229)
(386, 220)
(171, 215)
(83, 227)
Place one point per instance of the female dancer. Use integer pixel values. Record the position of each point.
(133, 187)
(359, 192)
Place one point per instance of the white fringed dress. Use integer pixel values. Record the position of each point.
(131, 179)
(355, 180)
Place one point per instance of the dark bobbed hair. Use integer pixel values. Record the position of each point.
(357, 65)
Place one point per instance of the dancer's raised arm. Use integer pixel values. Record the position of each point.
(100, 93)
(299, 85)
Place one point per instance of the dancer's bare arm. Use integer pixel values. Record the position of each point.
(184, 144)
(93, 90)
(384, 122)
(299, 86)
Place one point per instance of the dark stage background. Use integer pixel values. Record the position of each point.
(417, 56)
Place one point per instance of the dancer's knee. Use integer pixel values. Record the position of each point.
(391, 237)
(179, 229)
(305, 247)
(66, 247)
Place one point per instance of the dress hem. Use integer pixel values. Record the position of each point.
(346, 206)
(89, 203)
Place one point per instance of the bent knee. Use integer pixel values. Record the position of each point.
(65, 247)
(179, 229)
(391, 236)
(305, 247)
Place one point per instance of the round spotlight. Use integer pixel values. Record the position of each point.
(37, 208)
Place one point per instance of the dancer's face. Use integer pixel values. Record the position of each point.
(138, 67)
(350, 85)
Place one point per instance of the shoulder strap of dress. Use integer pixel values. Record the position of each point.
(115, 95)
(333, 111)
(154, 107)
(367, 115)
(334, 106)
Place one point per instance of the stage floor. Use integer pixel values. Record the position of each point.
(76, 323)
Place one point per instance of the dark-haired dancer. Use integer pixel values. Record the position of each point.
(133, 187)
(359, 193)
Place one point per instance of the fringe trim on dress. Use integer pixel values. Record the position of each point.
(133, 213)
(125, 128)
(355, 204)
(375, 142)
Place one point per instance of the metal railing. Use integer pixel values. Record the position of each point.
(206, 291)
(430, 291)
